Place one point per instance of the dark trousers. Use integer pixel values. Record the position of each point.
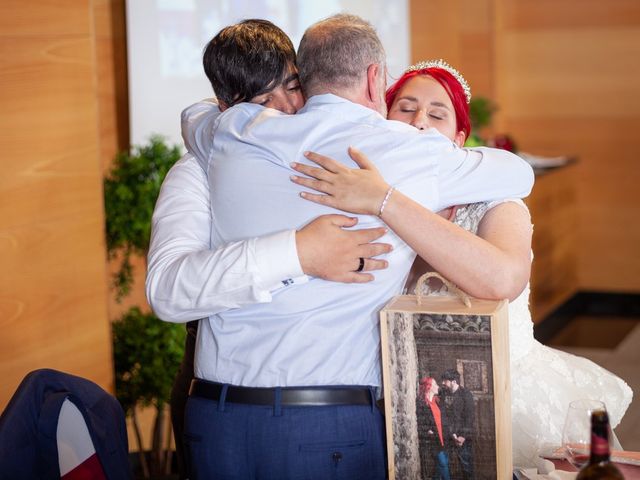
(254, 442)
(179, 395)
(465, 456)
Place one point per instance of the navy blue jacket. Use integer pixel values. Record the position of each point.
(28, 447)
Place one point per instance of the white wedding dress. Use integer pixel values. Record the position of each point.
(545, 380)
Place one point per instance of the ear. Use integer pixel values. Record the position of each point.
(373, 85)
(458, 139)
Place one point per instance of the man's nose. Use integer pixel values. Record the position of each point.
(285, 103)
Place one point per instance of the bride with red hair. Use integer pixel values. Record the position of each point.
(434, 433)
(434, 97)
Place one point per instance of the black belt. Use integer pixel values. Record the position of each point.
(289, 396)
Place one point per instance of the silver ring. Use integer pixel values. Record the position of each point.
(361, 266)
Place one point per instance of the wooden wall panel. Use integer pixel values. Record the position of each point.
(53, 293)
(562, 73)
(461, 33)
(568, 82)
(605, 182)
(113, 125)
(59, 326)
(434, 30)
(553, 214)
(111, 64)
(48, 143)
(44, 18)
(569, 14)
(566, 78)
(113, 119)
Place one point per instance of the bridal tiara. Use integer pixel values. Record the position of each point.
(444, 66)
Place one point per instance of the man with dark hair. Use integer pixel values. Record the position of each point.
(461, 412)
(249, 59)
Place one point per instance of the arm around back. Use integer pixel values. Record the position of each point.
(481, 174)
(186, 278)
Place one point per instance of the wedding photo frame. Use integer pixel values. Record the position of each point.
(422, 338)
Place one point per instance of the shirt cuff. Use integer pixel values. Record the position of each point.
(277, 260)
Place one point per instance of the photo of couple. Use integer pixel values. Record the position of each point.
(456, 406)
(446, 414)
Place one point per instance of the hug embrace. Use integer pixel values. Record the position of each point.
(285, 354)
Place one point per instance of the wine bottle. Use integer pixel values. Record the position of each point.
(600, 466)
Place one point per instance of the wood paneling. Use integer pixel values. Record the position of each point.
(111, 63)
(458, 31)
(48, 143)
(53, 294)
(607, 197)
(569, 14)
(568, 82)
(434, 30)
(44, 18)
(553, 214)
(113, 125)
(566, 78)
(113, 119)
(591, 72)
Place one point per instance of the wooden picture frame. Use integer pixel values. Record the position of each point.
(423, 337)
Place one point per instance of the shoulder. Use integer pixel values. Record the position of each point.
(514, 209)
(391, 134)
(245, 112)
(509, 202)
(186, 169)
(186, 175)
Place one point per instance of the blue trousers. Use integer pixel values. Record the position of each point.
(230, 441)
(442, 466)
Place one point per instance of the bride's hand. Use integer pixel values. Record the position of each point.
(355, 190)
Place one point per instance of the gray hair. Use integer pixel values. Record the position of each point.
(334, 53)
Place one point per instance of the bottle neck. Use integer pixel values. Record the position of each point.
(599, 444)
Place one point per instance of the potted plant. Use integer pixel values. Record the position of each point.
(147, 351)
(481, 111)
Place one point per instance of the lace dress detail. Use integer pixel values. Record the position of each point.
(544, 380)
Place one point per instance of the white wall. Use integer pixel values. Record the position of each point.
(165, 40)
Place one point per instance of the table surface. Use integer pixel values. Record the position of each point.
(627, 462)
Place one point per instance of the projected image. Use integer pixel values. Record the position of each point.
(166, 39)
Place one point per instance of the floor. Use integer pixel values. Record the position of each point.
(613, 342)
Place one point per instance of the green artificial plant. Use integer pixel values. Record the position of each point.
(481, 110)
(130, 193)
(147, 351)
(147, 354)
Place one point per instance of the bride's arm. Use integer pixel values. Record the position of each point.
(494, 265)
(508, 228)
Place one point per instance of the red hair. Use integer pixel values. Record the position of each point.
(450, 85)
(425, 387)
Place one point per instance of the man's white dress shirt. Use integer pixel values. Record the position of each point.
(189, 278)
(319, 332)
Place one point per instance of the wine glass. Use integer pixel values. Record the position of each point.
(576, 434)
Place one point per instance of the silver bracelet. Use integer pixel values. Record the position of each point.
(386, 199)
